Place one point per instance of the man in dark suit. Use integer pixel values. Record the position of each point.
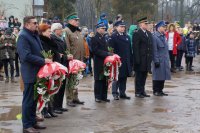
(100, 52)
(121, 43)
(29, 49)
(142, 53)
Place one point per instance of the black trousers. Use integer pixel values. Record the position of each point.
(189, 61)
(17, 63)
(158, 85)
(1, 64)
(172, 59)
(90, 62)
(121, 85)
(58, 98)
(179, 58)
(5, 64)
(100, 89)
(140, 80)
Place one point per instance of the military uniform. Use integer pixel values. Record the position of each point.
(100, 52)
(160, 64)
(75, 46)
(7, 53)
(122, 47)
(142, 51)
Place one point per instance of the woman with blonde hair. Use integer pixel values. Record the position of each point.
(173, 40)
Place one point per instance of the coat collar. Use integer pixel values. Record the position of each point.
(157, 33)
(73, 28)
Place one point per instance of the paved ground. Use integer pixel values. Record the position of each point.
(177, 113)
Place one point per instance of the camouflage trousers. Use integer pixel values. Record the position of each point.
(71, 93)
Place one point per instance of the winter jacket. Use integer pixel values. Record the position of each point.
(176, 42)
(190, 47)
(7, 52)
(74, 41)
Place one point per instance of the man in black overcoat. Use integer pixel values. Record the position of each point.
(100, 52)
(142, 53)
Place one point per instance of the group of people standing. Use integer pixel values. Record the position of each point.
(157, 50)
(33, 39)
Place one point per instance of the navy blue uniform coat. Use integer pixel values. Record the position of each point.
(122, 47)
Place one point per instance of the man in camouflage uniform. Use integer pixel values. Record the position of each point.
(75, 46)
(7, 53)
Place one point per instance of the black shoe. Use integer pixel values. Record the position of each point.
(157, 94)
(71, 104)
(17, 75)
(173, 70)
(145, 95)
(30, 130)
(106, 100)
(125, 97)
(116, 97)
(37, 126)
(58, 111)
(97, 100)
(78, 102)
(190, 69)
(139, 96)
(51, 112)
(181, 67)
(164, 94)
(45, 113)
(64, 109)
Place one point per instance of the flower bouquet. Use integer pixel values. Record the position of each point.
(75, 72)
(111, 68)
(49, 81)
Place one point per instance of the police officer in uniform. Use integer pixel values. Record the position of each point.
(121, 43)
(142, 53)
(160, 64)
(100, 52)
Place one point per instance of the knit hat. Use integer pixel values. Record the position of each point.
(56, 26)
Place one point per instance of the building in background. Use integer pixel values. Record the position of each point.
(21, 8)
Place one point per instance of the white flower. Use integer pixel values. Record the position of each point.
(106, 73)
(46, 98)
(41, 91)
(108, 64)
(79, 76)
(55, 77)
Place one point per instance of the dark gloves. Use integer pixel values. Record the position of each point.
(157, 64)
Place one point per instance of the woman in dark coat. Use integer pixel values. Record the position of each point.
(47, 43)
(56, 36)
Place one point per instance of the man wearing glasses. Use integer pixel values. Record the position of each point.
(29, 49)
(142, 57)
(100, 52)
(75, 46)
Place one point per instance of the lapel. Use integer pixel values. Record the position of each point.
(39, 42)
(143, 34)
(101, 39)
